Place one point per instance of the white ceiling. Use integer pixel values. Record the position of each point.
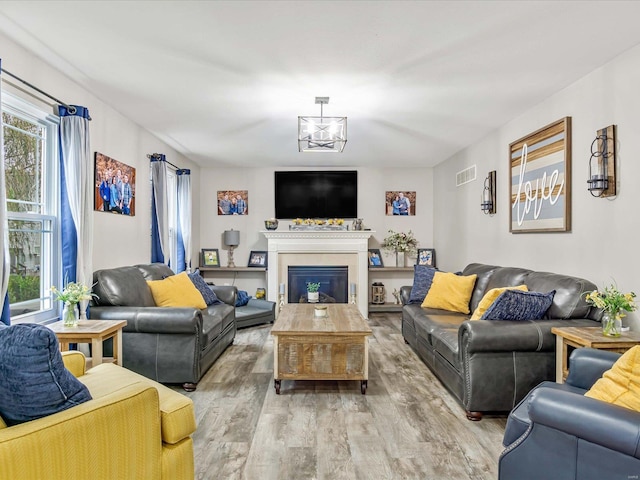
(223, 82)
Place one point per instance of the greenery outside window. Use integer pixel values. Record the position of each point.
(31, 173)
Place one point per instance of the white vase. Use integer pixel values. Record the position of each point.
(313, 297)
(400, 259)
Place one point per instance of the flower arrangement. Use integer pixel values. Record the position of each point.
(612, 300)
(313, 286)
(400, 242)
(73, 293)
(318, 221)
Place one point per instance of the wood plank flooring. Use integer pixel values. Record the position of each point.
(407, 426)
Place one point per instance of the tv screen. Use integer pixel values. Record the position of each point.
(316, 194)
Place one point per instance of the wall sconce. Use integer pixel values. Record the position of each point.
(488, 203)
(231, 240)
(602, 164)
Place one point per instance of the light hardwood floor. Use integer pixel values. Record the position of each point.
(407, 426)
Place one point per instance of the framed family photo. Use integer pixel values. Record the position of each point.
(375, 259)
(258, 259)
(114, 186)
(400, 203)
(426, 256)
(210, 257)
(233, 202)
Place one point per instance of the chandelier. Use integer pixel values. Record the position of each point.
(322, 134)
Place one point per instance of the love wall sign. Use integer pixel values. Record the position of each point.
(540, 166)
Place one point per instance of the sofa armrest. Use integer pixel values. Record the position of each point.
(128, 421)
(75, 362)
(226, 293)
(267, 305)
(610, 426)
(513, 336)
(152, 319)
(586, 365)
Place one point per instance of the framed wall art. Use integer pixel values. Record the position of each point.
(233, 202)
(114, 185)
(209, 257)
(540, 191)
(400, 203)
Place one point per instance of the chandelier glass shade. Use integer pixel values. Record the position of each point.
(322, 134)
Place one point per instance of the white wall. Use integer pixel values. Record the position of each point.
(602, 245)
(372, 184)
(118, 239)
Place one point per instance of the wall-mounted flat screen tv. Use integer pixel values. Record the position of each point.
(316, 194)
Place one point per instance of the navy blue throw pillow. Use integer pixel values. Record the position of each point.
(209, 296)
(518, 305)
(422, 280)
(243, 298)
(35, 382)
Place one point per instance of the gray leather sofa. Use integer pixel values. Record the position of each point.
(166, 344)
(556, 432)
(491, 365)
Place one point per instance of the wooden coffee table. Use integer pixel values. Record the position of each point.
(94, 332)
(306, 347)
(591, 337)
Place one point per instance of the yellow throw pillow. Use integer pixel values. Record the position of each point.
(450, 292)
(491, 297)
(621, 384)
(176, 291)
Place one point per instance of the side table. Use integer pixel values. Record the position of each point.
(591, 337)
(94, 332)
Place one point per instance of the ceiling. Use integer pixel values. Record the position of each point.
(223, 82)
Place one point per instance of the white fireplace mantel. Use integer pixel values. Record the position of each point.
(319, 247)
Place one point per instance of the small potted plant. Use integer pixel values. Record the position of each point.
(313, 294)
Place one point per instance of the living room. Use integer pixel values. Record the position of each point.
(448, 218)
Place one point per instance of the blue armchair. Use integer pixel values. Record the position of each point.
(556, 432)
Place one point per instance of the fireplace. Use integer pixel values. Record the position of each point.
(333, 282)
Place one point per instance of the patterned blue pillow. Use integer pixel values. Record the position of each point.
(518, 305)
(35, 382)
(243, 298)
(209, 296)
(422, 280)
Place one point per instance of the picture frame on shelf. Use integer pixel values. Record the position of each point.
(209, 257)
(375, 259)
(426, 256)
(258, 259)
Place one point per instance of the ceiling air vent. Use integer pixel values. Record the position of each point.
(465, 176)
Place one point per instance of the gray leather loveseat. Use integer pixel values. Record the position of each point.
(166, 344)
(490, 365)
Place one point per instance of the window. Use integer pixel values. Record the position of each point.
(31, 173)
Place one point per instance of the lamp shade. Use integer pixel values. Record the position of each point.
(232, 238)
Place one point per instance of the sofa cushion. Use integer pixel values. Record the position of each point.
(484, 273)
(422, 280)
(208, 295)
(176, 291)
(212, 326)
(154, 271)
(176, 410)
(517, 305)
(450, 292)
(491, 297)
(121, 287)
(35, 382)
(620, 385)
(569, 300)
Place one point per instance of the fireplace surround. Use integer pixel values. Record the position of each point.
(322, 248)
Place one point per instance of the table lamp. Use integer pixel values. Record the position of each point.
(231, 240)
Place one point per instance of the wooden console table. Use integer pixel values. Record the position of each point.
(591, 337)
(94, 332)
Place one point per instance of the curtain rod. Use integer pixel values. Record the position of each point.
(157, 155)
(72, 109)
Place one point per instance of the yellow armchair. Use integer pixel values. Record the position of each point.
(133, 428)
